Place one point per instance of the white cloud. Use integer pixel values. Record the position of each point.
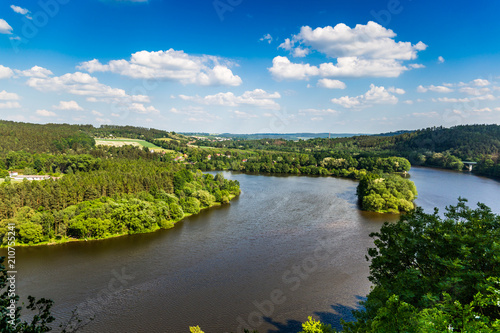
(140, 108)
(480, 82)
(257, 97)
(296, 51)
(331, 84)
(103, 120)
(363, 51)
(482, 110)
(10, 105)
(6, 96)
(408, 101)
(20, 10)
(440, 59)
(376, 95)
(370, 41)
(283, 69)
(244, 115)
(466, 99)
(474, 90)
(97, 113)
(5, 28)
(35, 71)
(318, 112)
(348, 102)
(394, 90)
(439, 89)
(416, 66)
(431, 114)
(267, 37)
(45, 113)
(82, 84)
(169, 65)
(317, 118)
(488, 97)
(451, 100)
(196, 114)
(69, 105)
(5, 72)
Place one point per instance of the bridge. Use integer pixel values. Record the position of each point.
(469, 164)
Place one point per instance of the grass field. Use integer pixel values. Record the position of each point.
(120, 142)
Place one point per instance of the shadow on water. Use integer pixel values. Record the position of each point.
(340, 312)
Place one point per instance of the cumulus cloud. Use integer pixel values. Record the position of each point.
(331, 84)
(440, 59)
(195, 114)
(488, 97)
(394, 90)
(318, 112)
(363, 51)
(244, 115)
(258, 97)
(267, 37)
(431, 114)
(480, 82)
(376, 95)
(82, 84)
(35, 71)
(69, 105)
(5, 72)
(284, 69)
(10, 105)
(482, 110)
(6, 96)
(140, 108)
(45, 113)
(371, 41)
(451, 100)
(439, 89)
(5, 28)
(296, 51)
(169, 65)
(474, 90)
(20, 10)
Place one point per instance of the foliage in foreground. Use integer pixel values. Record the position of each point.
(435, 274)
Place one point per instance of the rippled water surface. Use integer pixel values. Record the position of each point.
(287, 248)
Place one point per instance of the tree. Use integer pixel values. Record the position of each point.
(429, 269)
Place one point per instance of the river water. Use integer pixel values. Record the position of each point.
(286, 248)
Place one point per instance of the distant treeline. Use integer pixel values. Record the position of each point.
(436, 146)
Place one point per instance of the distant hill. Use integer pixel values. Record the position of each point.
(286, 136)
(57, 138)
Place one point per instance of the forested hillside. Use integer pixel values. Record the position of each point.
(95, 192)
(52, 138)
(436, 146)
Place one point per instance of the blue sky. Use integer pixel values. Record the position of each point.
(244, 66)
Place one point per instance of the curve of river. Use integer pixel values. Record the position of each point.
(287, 248)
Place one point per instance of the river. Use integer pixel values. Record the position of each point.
(286, 248)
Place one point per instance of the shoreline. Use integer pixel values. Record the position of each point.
(73, 240)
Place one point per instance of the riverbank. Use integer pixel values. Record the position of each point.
(170, 224)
